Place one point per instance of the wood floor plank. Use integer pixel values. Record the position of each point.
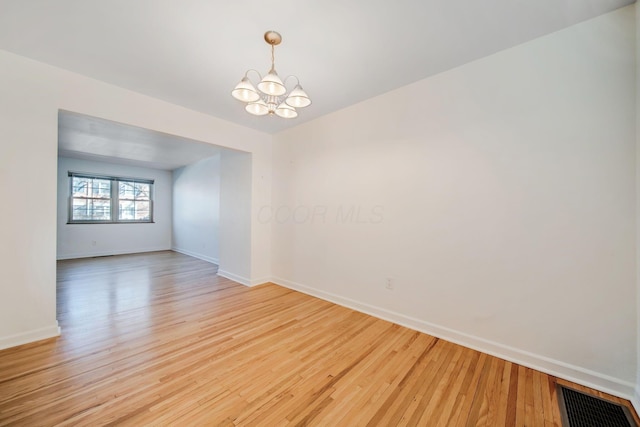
(468, 391)
(520, 396)
(161, 339)
(452, 404)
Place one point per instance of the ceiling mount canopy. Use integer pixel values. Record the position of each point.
(271, 96)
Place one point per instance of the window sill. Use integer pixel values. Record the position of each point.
(109, 222)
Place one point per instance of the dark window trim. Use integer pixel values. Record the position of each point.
(110, 177)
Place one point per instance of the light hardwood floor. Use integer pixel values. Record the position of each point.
(160, 339)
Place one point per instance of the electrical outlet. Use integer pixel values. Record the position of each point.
(389, 285)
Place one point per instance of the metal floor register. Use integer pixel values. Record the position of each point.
(582, 410)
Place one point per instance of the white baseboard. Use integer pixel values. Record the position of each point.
(577, 374)
(212, 260)
(109, 253)
(30, 336)
(635, 399)
(256, 282)
(235, 277)
(243, 280)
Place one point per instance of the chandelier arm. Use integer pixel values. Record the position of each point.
(255, 71)
(284, 82)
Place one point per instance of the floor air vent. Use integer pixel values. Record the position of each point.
(582, 410)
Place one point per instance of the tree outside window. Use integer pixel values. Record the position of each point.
(98, 199)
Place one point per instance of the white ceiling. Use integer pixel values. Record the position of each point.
(91, 138)
(193, 52)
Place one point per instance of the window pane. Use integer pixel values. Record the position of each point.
(143, 191)
(142, 211)
(126, 210)
(80, 210)
(130, 210)
(101, 188)
(126, 190)
(101, 210)
(91, 210)
(90, 187)
(80, 187)
(129, 190)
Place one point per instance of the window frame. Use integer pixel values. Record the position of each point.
(114, 199)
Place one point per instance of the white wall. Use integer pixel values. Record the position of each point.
(87, 240)
(499, 196)
(31, 95)
(636, 397)
(235, 186)
(196, 209)
(28, 165)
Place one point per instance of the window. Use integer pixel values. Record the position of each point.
(104, 199)
(134, 201)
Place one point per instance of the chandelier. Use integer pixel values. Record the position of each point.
(271, 97)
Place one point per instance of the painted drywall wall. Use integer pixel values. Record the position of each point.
(196, 209)
(235, 186)
(87, 240)
(636, 396)
(32, 94)
(28, 168)
(499, 197)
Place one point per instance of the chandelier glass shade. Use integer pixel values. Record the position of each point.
(271, 97)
